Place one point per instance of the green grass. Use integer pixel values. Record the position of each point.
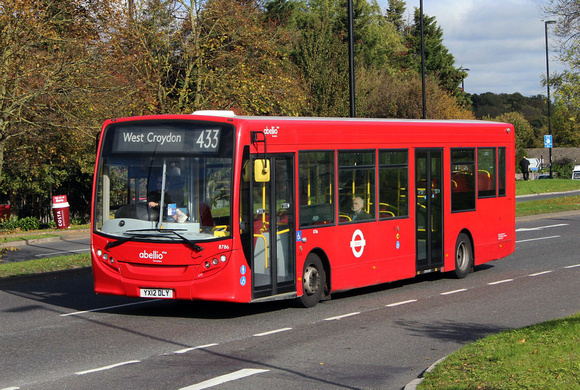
(534, 207)
(30, 267)
(543, 356)
(4, 239)
(544, 186)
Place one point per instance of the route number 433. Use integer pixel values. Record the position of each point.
(208, 139)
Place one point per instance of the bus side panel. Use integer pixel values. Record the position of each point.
(363, 254)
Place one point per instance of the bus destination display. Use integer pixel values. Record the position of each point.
(166, 140)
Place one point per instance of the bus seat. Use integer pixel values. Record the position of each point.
(484, 181)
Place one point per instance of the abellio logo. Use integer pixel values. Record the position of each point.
(152, 255)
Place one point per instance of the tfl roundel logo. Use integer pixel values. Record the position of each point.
(357, 243)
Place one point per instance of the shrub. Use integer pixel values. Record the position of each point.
(29, 223)
(24, 224)
(9, 224)
(563, 167)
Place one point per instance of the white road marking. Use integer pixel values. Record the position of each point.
(107, 367)
(453, 292)
(272, 332)
(224, 378)
(401, 303)
(572, 266)
(537, 239)
(10, 388)
(540, 227)
(185, 350)
(342, 316)
(540, 273)
(500, 282)
(106, 308)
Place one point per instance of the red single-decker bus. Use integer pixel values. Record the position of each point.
(214, 206)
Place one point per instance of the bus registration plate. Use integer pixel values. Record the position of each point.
(156, 293)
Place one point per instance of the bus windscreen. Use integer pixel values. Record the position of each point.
(156, 178)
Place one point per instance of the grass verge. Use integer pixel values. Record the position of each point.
(545, 186)
(534, 207)
(51, 264)
(4, 239)
(543, 356)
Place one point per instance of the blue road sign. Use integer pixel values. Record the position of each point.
(547, 141)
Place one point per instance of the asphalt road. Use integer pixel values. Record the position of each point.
(56, 334)
(68, 244)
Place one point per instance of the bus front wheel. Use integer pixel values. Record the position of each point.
(463, 256)
(313, 281)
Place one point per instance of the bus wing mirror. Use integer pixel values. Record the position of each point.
(262, 170)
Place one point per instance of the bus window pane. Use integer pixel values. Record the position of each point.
(316, 188)
(356, 192)
(486, 177)
(501, 174)
(393, 184)
(462, 179)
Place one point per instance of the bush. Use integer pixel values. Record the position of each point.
(9, 224)
(29, 223)
(563, 167)
(24, 224)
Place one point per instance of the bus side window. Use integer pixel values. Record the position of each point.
(501, 174)
(393, 183)
(486, 177)
(356, 178)
(316, 188)
(462, 179)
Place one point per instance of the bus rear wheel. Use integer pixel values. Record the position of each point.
(313, 281)
(463, 256)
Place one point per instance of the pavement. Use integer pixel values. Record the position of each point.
(38, 238)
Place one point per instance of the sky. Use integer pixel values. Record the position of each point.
(501, 42)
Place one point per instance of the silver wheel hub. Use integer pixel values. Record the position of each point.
(311, 280)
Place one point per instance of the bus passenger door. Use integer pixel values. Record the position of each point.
(429, 209)
(274, 263)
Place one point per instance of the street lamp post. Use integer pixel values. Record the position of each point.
(548, 89)
(351, 59)
(463, 78)
(423, 93)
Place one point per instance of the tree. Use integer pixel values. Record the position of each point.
(524, 132)
(320, 47)
(399, 96)
(438, 61)
(396, 14)
(46, 67)
(244, 67)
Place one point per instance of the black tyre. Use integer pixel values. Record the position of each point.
(463, 256)
(313, 281)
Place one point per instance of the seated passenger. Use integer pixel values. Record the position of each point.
(359, 213)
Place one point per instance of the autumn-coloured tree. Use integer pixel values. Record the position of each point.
(243, 66)
(398, 95)
(46, 71)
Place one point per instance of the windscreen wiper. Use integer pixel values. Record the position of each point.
(149, 233)
(123, 240)
(195, 247)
